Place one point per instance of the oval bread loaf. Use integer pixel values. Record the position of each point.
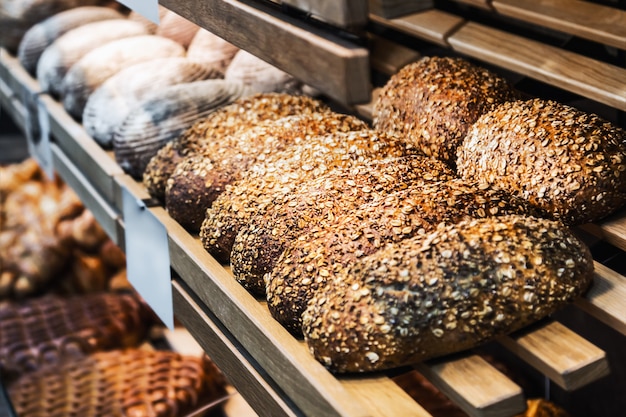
(93, 69)
(260, 75)
(211, 50)
(320, 203)
(176, 28)
(569, 163)
(434, 101)
(445, 292)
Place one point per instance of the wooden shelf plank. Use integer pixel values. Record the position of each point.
(338, 68)
(482, 4)
(388, 57)
(603, 24)
(573, 72)
(394, 8)
(342, 13)
(475, 386)
(560, 354)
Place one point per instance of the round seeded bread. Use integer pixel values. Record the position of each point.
(569, 163)
(445, 292)
(229, 120)
(281, 173)
(199, 179)
(319, 255)
(318, 202)
(434, 101)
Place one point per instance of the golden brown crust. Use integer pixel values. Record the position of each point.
(538, 407)
(445, 291)
(569, 163)
(434, 101)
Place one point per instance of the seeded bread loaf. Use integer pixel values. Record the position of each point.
(318, 203)
(319, 255)
(198, 180)
(445, 292)
(283, 172)
(229, 120)
(434, 101)
(569, 163)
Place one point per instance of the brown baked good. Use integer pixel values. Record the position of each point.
(538, 407)
(281, 173)
(446, 291)
(51, 328)
(434, 101)
(198, 180)
(569, 163)
(231, 119)
(318, 203)
(134, 382)
(322, 253)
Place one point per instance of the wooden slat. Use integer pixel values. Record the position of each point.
(476, 386)
(613, 230)
(576, 73)
(338, 68)
(560, 354)
(584, 19)
(394, 8)
(388, 57)
(342, 13)
(431, 25)
(483, 4)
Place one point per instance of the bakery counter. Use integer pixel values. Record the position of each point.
(273, 370)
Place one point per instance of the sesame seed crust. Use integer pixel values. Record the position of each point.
(433, 102)
(318, 256)
(281, 173)
(318, 203)
(198, 179)
(569, 163)
(228, 120)
(445, 291)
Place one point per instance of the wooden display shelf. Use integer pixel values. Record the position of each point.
(348, 14)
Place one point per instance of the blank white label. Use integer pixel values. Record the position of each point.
(147, 8)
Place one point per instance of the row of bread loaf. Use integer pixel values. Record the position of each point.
(442, 227)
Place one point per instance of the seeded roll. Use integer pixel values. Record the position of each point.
(319, 255)
(569, 163)
(229, 120)
(446, 291)
(434, 101)
(199, 179)
(318, 202)
(132, 382)
(283, 172)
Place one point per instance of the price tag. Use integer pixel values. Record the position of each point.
(147, 257)
(37, 127)
(147, 8)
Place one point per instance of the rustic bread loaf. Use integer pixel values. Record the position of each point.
(319, 203)
(322, 253)
(131, 382)
(260, 75)
(176, 27)
(237, 117)
(198, 180)
(569, 163)
(445, 291)
(283, 172)
(211, 50)
(434, 101)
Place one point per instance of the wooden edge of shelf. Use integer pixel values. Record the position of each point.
(331, 64)
(482, 4)
(559, 353)
(389, 9)
(388, 57)
(475, 386)
(342, 13)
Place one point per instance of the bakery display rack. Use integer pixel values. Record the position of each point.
(335, 47)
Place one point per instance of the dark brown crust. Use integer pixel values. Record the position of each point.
(446, 291)
(319, 202)
(569, 163)
(199, 179)
(322, 253)
(434, 101)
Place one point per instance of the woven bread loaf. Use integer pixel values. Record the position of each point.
(51, 329)
(260, 75)
(567, 162)
(94, 68)
(319, 203)
(283, 172)
(445, 291)
(69, 48)
(163, 115)
(211, 50)
(41, 35)
(434, 101)
(131, 382)
(322, 253)
(237, 117)
(110, 103)
(198, 180)
(177, 28)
